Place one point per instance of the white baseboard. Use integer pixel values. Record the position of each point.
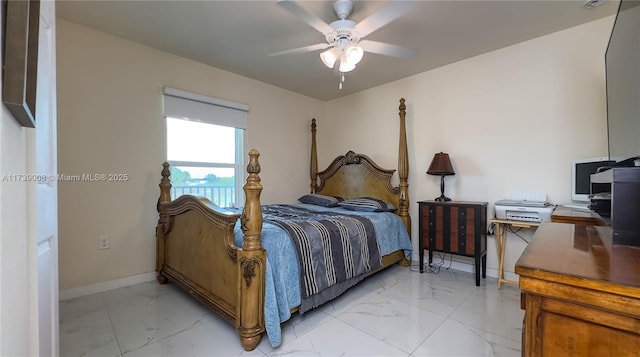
(106, 286)
(470, 268)
(145, 277)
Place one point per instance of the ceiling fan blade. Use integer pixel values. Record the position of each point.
(386, 49)
(390, 12)
(311, 48)
(310, 18)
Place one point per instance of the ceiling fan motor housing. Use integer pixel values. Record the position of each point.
(343, 29)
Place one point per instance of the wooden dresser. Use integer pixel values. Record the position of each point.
(580, 293)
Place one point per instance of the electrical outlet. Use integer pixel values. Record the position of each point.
(491, 231)
(104, 242)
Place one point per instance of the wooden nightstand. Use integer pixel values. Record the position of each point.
(454, 227)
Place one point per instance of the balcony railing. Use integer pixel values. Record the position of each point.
(223, 196)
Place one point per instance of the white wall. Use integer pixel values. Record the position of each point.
(15, 247)
(110, 121)
(512, 120)
(14, 243)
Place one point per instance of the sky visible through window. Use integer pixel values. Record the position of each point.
(201, 142)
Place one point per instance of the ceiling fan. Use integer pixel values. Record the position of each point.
(344, 38)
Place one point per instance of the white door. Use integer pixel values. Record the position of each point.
(43, 196)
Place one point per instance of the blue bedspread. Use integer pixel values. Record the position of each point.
(282, 284)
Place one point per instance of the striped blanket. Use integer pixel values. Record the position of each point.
(335, 251)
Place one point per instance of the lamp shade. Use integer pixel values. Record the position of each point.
(329, 57)
(354, 54)
(345, 66)
(441, 165)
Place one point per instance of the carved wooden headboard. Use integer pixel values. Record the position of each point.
(357, 175)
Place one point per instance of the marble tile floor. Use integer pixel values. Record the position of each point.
(397, 312)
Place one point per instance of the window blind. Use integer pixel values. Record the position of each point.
(185, 105)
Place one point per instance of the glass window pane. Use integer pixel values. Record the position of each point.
(200, 142)
(216, 184)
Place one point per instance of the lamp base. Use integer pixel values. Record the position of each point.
(442, 196)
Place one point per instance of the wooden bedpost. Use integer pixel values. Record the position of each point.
(314, 158)
(251, 262)
(165, 184)
(165, 197)
(403, 169)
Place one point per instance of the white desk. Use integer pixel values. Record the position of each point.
(501, 243)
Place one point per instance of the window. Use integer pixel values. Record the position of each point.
(205, 147)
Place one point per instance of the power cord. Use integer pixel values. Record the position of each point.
(434, 268)
(510, 229)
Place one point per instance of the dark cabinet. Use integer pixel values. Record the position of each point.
(454, 227)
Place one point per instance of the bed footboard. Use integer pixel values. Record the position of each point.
(196, 251)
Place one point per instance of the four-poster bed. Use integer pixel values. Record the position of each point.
(236, 269)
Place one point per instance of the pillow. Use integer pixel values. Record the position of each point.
(320, 200)
(368, 204)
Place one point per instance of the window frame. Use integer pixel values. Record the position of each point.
(182, 105)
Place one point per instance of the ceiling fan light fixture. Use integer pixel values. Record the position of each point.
(345, 65)
(329, 57)
(343, 36)
(354, 54)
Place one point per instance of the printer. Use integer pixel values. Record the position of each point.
(523, 210)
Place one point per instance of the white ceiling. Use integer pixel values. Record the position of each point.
(238, 36)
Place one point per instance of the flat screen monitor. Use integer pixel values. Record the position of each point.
(622, 60)
(581, 176)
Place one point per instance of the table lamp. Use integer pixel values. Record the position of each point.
(441, 165)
